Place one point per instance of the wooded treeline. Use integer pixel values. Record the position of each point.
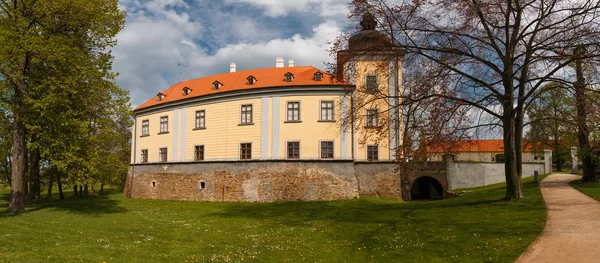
(63, 118)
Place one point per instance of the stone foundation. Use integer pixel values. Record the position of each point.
(248, 181)
(378, 179)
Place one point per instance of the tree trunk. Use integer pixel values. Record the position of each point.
(49, 195)
(80, 190)
(85, 190)
(34, 176)
(75, 190)
(557, 154)
(60, 189)
(514, 189)
(589, 168)
(17, 197)
(101, 188)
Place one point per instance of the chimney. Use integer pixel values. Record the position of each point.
(291, 63)
(279, 62)
(232, 67)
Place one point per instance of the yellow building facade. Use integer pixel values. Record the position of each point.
(275, 134)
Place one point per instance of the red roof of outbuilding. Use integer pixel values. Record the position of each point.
(234, 81)
(494, 145)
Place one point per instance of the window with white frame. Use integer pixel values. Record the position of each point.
(200, 119)
(293, 111)
(327, 110)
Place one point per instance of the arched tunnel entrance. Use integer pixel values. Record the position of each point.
(426, 188)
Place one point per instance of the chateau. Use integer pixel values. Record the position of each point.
(275, 134)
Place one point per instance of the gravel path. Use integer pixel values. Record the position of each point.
(572, 232)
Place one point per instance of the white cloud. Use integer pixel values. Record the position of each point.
(324, 8)
(160, 46)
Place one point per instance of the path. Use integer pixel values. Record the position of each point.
(572, 231)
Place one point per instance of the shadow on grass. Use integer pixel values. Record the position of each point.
(92, 206)
(369, 209)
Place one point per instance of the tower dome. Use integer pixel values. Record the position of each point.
(368, 37)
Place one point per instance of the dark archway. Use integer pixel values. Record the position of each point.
(426, 188)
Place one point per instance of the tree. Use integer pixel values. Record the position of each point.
(494, 54)
(51, 48)
(551, 122)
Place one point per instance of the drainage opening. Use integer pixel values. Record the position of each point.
(426, 188)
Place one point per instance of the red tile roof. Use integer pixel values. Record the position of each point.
(495, 145)
(233, 81)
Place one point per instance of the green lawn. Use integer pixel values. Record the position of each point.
(475, 227)
(591, 189)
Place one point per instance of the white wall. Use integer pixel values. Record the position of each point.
(473, 174)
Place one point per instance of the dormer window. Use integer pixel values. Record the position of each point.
(217, 85)
(251, 80)
(160, 96)
(289, 77)
(318, 76)
(186, 90)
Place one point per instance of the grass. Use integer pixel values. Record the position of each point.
(590, 189)
(475, 227)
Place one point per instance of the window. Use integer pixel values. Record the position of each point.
(372, 152)
(326, 149)
(372, 83)
(246, 114)
(499, 158)
(144, 156)
(199, 153)
(186, 90)
(145, 127)
(162, 155)
(289, 77)
(246, 151)
(251, 80)
(372, 118)
(200, 119)
(160, 96)
(217, 85)
(164, 124)
(293, 150)
(318, 76)
(293, 111)
(327, 110)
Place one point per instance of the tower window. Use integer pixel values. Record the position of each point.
(289, 77)
(372, 83)
(372, 118)
(318, 76)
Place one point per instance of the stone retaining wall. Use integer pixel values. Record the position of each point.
(249, 181)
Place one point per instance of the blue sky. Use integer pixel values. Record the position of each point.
(167, 41)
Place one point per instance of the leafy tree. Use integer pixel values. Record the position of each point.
(53, 60)
(552, 123)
